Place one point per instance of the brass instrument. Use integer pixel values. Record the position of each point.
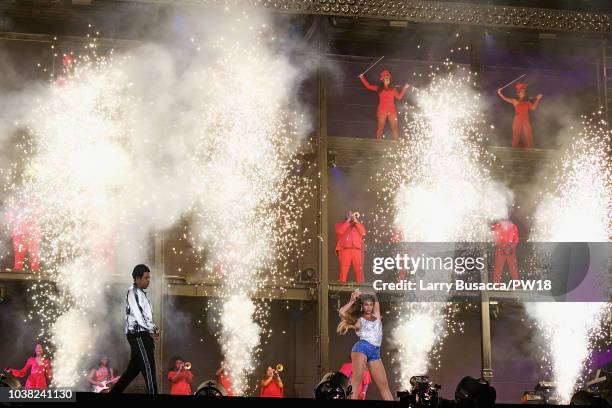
(279, 368)
(187, 366)
(356, 215)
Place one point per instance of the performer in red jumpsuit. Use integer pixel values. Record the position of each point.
(62, 78)
(521, 124)
(26, 237)
(349, 246)
(180, 378)
(366, 380)
(387, 94)
(224, 379)
(397, 237)
(271, 384)
(506, 238)
(40, 370)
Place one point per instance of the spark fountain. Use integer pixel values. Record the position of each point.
(577, 208)
(441, 191)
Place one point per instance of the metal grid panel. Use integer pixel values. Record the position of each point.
(427, 12)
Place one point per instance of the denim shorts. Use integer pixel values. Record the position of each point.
(371, 352)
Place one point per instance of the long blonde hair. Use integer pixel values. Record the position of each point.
(352, 317)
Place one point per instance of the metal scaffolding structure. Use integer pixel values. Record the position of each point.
(408, 10)
(422, 11)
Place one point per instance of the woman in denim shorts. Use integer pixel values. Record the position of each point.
(362, 314)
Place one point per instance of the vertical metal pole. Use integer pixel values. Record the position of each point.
(158, 303)
(485, 324)
(485, 313)
(323, 290)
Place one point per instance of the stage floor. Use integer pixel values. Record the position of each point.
(143, 400)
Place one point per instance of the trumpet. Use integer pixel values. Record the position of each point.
(279, 368)
(187, 366)
(356, 215)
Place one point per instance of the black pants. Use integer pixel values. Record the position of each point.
(142, 361)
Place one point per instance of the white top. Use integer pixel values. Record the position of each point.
(138, 312)
(370, 331)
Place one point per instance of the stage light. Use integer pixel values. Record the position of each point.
(597, 393)
(306, 275)
(8, 380)
(334, 385)
(588, 399)
(331, 158)
(548, 390)
(211, 388)
(424, 393)
(475, 393)
(544, 393)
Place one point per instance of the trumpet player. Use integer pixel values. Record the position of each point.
(271, 383)
(180, 377)
(349, 246)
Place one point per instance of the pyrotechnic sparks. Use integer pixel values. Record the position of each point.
(418, 336)
(441, 191)
(577, 208)
(114, 155)
(75, 166)
(442, 188)
(247, 188)
(568, 331)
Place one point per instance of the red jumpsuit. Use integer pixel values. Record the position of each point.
(39, 373)
(181, 385)
(506, 240)
(366, 379)
(521, 123)
(386, 107)
(271, 390)
(397, 237)
(349, 248)
(26, 238)
(225, 382)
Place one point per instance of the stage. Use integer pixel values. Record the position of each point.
(90, 399)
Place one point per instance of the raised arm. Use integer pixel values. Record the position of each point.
(279, 382)
(343, 312)
(174, 376)
(400, 95)
(368, 85)
(505, 98)
(534, 105)
(360, 228)
(342, 227)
